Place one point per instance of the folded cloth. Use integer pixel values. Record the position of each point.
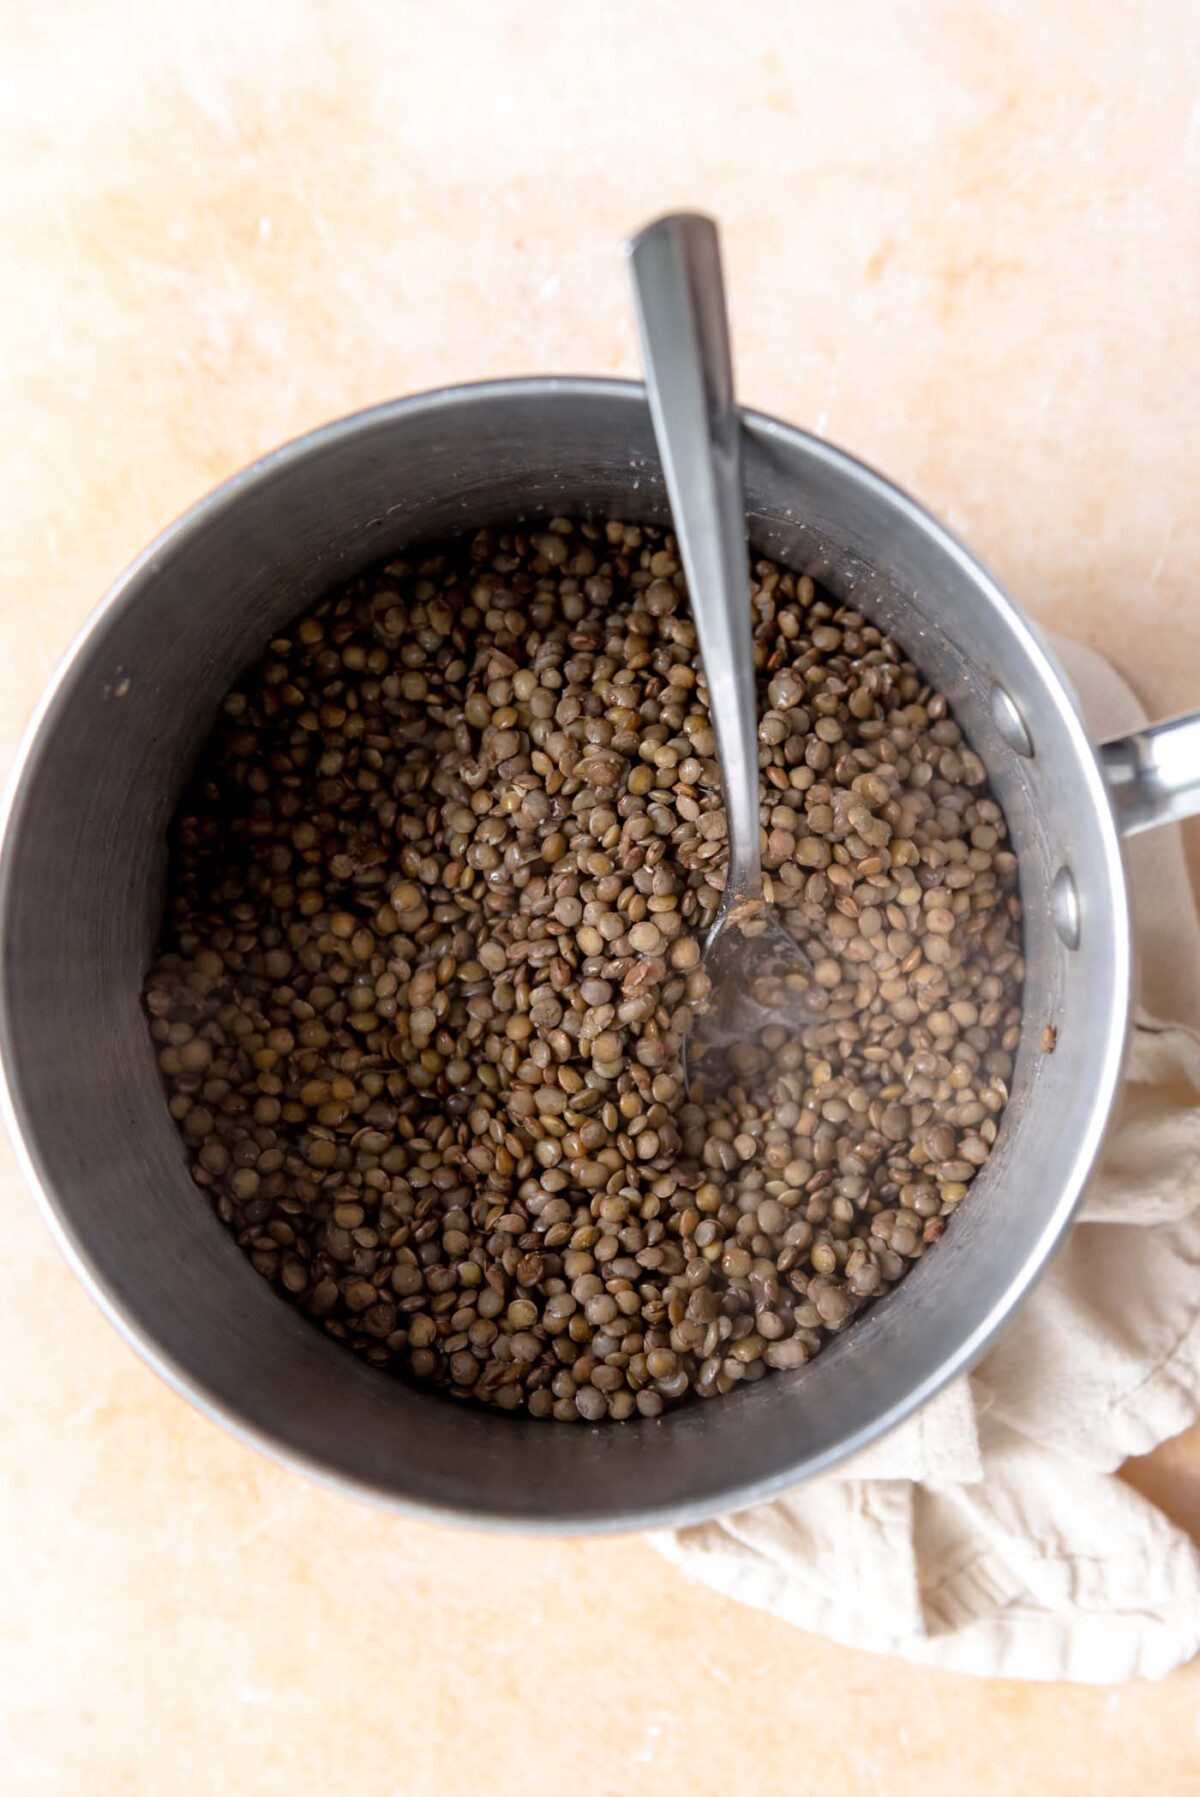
(990, 1533)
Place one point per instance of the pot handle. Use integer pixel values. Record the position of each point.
(1154, 774)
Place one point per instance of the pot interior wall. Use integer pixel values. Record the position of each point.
(82, 874)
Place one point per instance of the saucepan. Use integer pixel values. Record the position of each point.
(81, 886)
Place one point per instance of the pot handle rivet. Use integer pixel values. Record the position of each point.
(1010, 723)
(1064, 906)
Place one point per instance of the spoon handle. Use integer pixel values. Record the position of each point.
(675, 265)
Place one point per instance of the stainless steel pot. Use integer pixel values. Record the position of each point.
(81, 878)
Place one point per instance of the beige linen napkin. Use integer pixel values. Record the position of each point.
(990, 1533)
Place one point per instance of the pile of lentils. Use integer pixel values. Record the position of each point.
(437, 897)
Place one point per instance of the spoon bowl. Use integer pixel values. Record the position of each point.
(760, 996)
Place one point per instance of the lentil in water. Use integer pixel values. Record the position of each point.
(437, 897)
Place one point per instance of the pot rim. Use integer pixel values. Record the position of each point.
(127, 589)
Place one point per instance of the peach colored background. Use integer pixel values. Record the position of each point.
(963, 241)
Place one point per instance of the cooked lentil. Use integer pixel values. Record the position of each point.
(436, 901)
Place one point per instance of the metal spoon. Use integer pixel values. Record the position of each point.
(759, 976)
